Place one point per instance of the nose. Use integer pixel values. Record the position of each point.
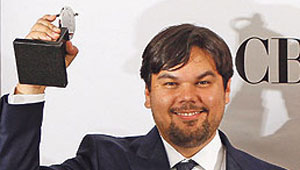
(188, 94)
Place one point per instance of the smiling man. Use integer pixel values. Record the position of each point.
(188, 102)
(187, 71)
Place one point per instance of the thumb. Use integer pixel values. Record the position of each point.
(72, 51)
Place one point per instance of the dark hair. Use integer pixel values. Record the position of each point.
(172, 47)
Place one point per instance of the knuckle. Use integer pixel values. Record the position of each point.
(43, 22)
(32, 35)
(33, 27)
(51, 26)
(45, 16)
(29, 36)
(40, 20)
(43, 34)
(36, 27)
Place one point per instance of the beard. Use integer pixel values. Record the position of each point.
(189, 139)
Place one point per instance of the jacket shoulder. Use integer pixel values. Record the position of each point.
(113, 143)
(239, 159)
(250, 162)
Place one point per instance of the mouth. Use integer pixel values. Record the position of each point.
(190, 115)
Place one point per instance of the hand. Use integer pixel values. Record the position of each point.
(45, 30)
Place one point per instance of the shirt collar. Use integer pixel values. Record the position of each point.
(209, 157)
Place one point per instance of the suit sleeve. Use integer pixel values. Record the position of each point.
(87, 157)
(20, 133)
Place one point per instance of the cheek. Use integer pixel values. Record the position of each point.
(161, 98)
(211, 98)
(160, 105)
(215, 103)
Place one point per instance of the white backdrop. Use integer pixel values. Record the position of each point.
(105, 92)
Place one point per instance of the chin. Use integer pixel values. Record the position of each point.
(188, 139)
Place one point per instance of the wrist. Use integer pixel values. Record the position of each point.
(29, 89)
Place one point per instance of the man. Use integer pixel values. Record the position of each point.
(187, 71)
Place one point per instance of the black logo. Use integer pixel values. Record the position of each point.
(282, 59)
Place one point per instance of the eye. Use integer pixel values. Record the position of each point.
(170, 84)
(203, 83)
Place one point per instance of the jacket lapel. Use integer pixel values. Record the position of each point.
(231, 154)
(150, 153)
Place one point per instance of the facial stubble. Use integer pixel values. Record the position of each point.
(188, 139)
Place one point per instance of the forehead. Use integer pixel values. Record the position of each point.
(201, 57)
(199, 61)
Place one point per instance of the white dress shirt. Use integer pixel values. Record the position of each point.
(25, 99)
(211, 157)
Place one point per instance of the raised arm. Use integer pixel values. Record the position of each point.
(20, 124)
(45, 30)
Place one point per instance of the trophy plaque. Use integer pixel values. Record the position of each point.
(41, 62)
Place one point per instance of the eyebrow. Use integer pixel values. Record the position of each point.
(207, 73)
(169, 76)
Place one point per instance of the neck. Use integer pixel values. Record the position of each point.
(189, 152)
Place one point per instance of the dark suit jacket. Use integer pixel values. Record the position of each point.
(20, 138)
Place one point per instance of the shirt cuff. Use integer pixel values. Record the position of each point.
(25, 98)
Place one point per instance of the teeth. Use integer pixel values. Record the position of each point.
(188, 114)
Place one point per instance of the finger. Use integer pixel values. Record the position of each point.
(48, 24)
(42, 28)
(38, 36)
(49, 17)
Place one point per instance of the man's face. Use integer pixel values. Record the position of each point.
(188, 103)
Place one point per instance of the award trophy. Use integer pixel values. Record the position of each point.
(42, 62)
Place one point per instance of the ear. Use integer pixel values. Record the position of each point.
(147, 98)
(227, 92)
